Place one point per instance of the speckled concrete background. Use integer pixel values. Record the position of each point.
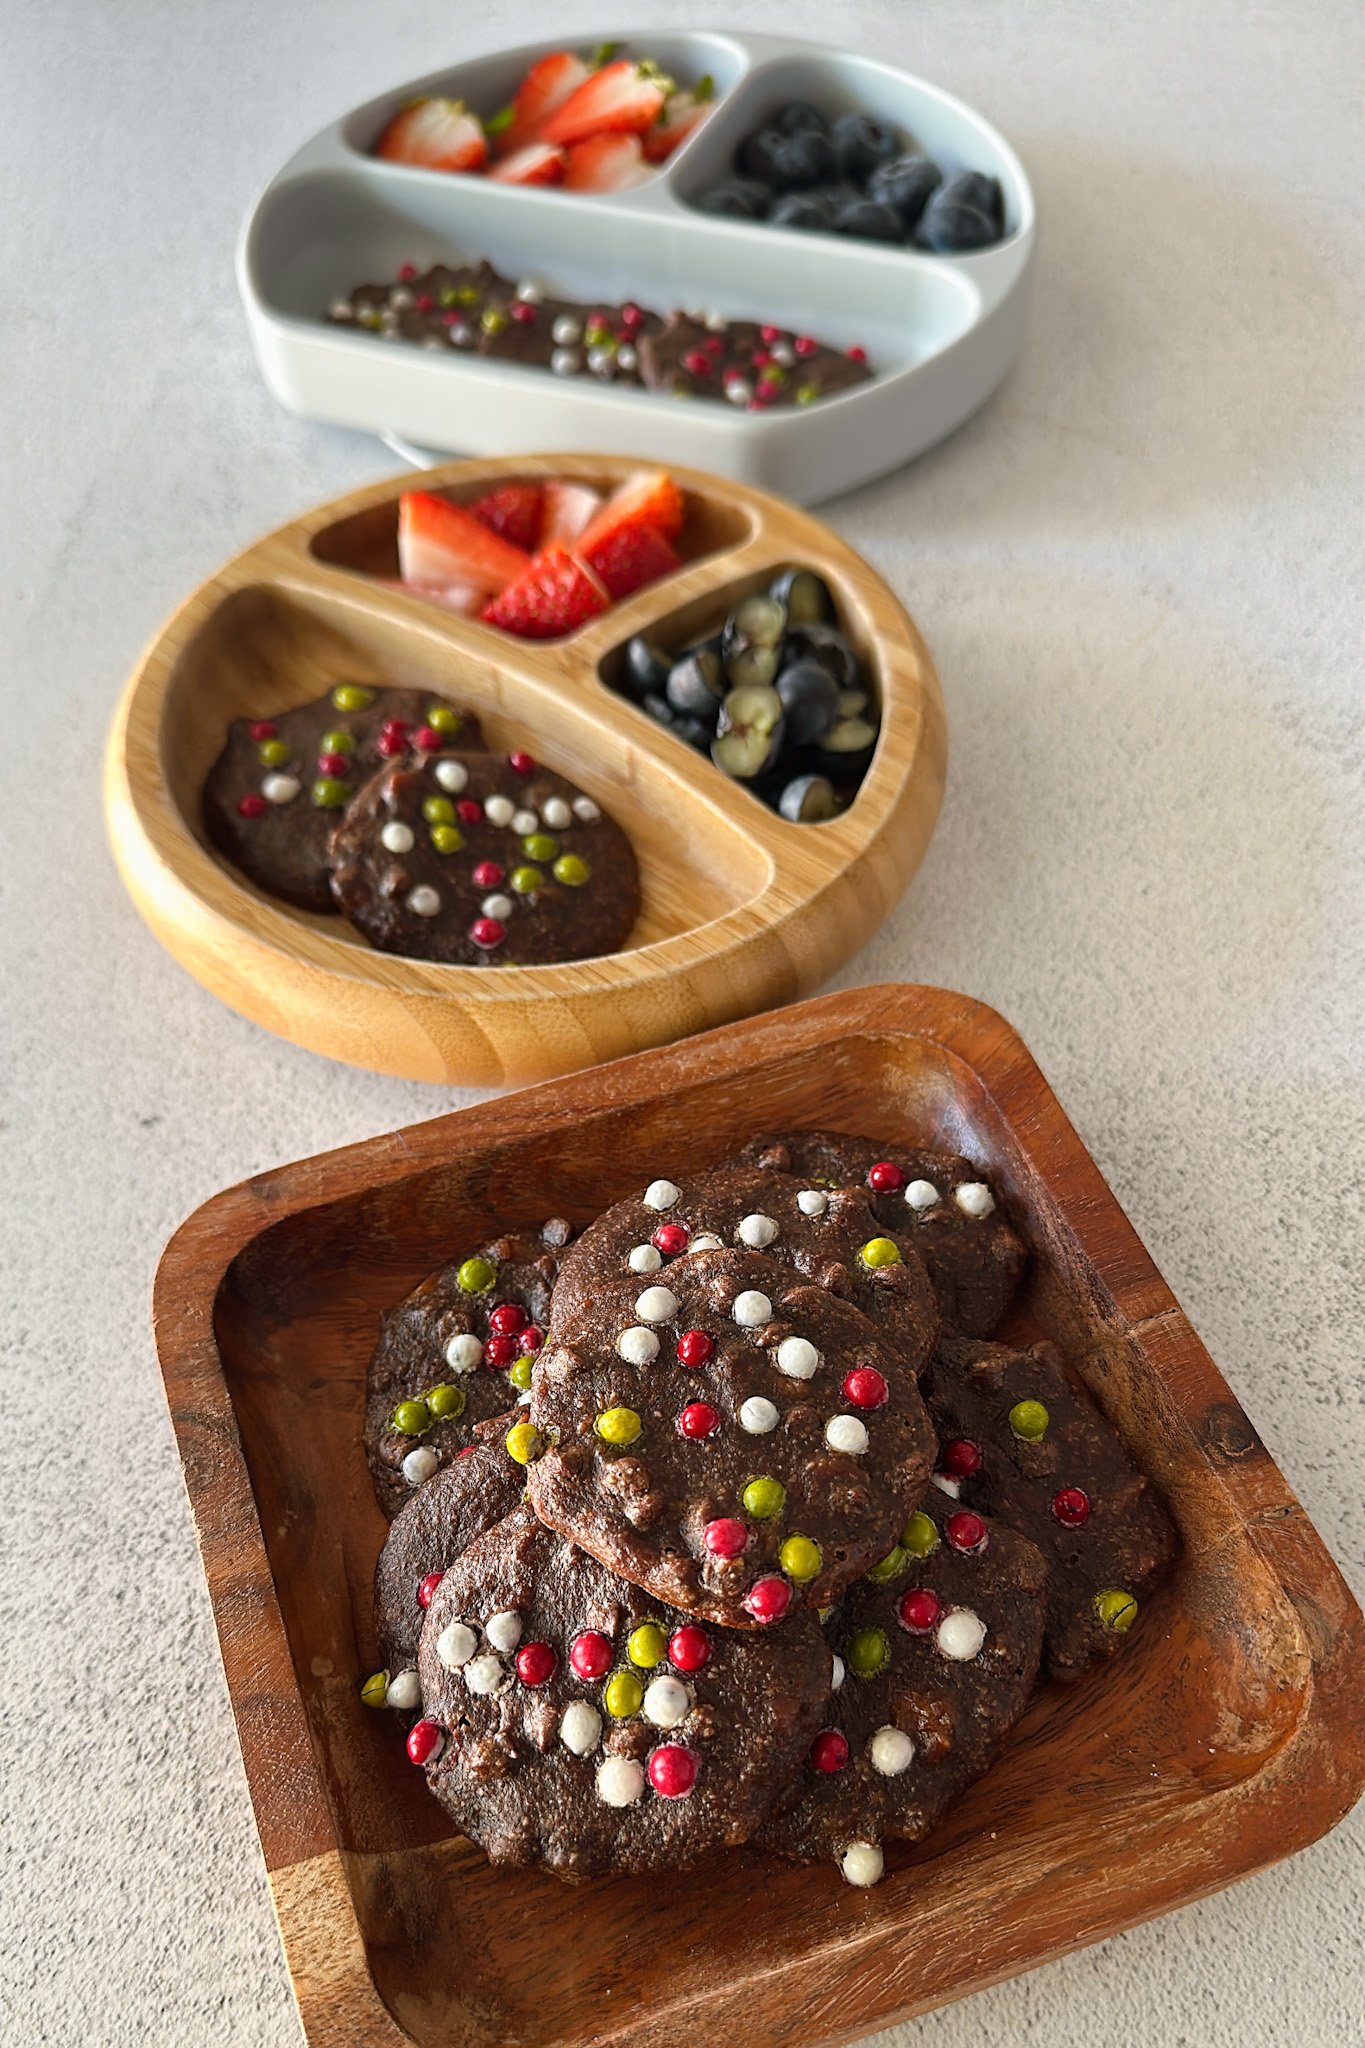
(1136, 570)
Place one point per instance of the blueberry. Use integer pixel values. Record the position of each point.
(696, 733)
(799, 210)
(759, 154)
(905, 183)
(804, 596)
(831, 199)
(740, 198)
(805, 159)
(860, 144)
(658, 709)
(827, 645)
(974, 188)
(696, 685)
(808, 799)
(948, 227)
(750, 735)
(810, 698)
(798, 117)
(646, 670)
(868, 221)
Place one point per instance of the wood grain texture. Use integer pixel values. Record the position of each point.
(741, 910)
(1230, 1733)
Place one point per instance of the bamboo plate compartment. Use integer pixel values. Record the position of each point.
(741, 910)
(1230, 1732)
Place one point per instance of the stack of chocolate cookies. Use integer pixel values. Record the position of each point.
(728, 1523)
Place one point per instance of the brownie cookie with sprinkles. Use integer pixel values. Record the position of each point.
(573, 1721)
(480, 859)
(951, 1215)
(935, 1656)
(455, 1353)
(274, 794)
(728, 1435)
(1024, 1441)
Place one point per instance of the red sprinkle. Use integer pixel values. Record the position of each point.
(829, 1751)
(469, 811)
(714, 344)
(865, 1387)
(770, 333)
(695, 1348)
(857, 355)
(804, 345)
(965, 1531)
(501, 1350)
(531, 1338)
(697, 362)
(698, 1419)
(919, 1610)
(467, 1452)
(425, 303)
(488, 875)
(672, 1771)
(761, 358)
(262, 729)
(407, 271)
(508, 1317)
(487, 932)
(428, 739)
(768, 1599)
(767, 389)
(885, 1178)
(399, 725)
(961, 1458)
(1071, 1507)
(631, 316)
(725, 1537)
(427, 1586)
(332, 764)
(252, 806)
(426, 1740)
(455, 319)
(390, 744)
(536, 1663)
(689, 1648)
(670, 1239)
(522, 763)
(523, 313)
(590, 1654)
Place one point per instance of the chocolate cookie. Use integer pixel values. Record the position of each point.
(727, 1435)
(273, 796)
(451, 1356)
(933, 1666)
(1024, 1441)
(570, 1720)
(830, 1235)
(952, 1217)
(479, 859)
(745, 362)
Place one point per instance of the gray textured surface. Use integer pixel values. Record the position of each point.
(1136, 571)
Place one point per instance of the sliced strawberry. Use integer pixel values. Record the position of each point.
(683, 111)
(540, 163)
(468, 599)
(606, 163)
(556, 594)
(621, 98)
(441, 135)
(515, 511)
(440, 544)
(568, 509)
(631, 557)
(650, 498)
(550, 81)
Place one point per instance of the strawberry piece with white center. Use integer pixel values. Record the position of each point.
(650, 498)
(556, 594)
(547, 85)
(441, 545)
(606, 163)
(682, 112)
(569, 509)
(516, 511)
(621, 98)
(630, 558)
(437, 135)
(540, 163)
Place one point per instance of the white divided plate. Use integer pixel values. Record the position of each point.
(940, 330)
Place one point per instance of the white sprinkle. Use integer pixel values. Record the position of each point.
(620, 1781)
(405, 1691)
(580, 1728)
(626, 357)
(783, 352)
(452, 775)
(585, 810)
(463, 1353)
(922, 1194)
(422, 901)
(666, 1702)
(280, 789)
(566, 330)
(459, 333)
(707, 1241)
(485, 1675)
(556, 813)
(839, 1672)
(497, 906)
(717, 321)
(974, 1198)
(341, 309)
(756, 1231)
(637, 1346)
(891, 1752)
(845, 1433)
(397, 837)
(645, 1258)
(502, 1631)
(524, 822)
(389, 332)
(862, 1863)
(758, 1416)
(751, 1309)
(529, 292)
(952, 1487)
(798, 1358)
(960, 1635)
(812, 1201)
(456, 1644)
(565, 362)
(602, 361)
(499, 810)
(420, 1465)
(400, 298)
(661, 1194)
(656, 1304)
(738, 390)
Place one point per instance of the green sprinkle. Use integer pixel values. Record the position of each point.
(806, 394)
(442, 719)
(273, 753)
(1029, 1420)
(920, 1536)
(1116, 1610)
(329, 794)
(868, 1652)
(492, 320)
(338, 741)
(520, 1371)
(412, 1418)
(447, 838)
(890, 1567)
(526, 880)
(476, 1276)
(447, 296)
(764, 1499)
(375, 1690)
(539, 846)
(467, 294)
(352, 697)
(446, 1402)
(438, 810)
(571, 871)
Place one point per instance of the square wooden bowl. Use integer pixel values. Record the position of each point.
(1230, 1732)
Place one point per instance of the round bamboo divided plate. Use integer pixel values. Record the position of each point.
(740, 909)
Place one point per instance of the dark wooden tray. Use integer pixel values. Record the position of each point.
(1230, 1733)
